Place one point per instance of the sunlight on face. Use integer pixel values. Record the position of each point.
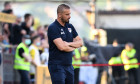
(65, 15)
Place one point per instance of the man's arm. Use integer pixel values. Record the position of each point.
(77, 42)
(62, 45)
(1, 38)
(32, 54)
(27, 58)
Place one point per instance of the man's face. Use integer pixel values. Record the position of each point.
(37, 39)
(128, 48)
(7, 7)
(65, 15)
(19, 20)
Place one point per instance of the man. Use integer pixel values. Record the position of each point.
(7, 6)
(22, 60)
(18, 32)
(76, 60)
(35, 55)
(27, 24)
(8, 30)
(63, 39)
(128, 56)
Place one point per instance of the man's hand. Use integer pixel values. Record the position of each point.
(77, 42)
(23, 32)
(62, 45)
(67, 43)
(127, 57)
(27, 57)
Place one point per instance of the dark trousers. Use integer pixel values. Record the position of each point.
(118, 74)
(133, 76)
(61, 74)
(76, 76)
(100, 72)
(24, 77)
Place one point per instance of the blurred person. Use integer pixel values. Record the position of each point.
(63, 39)
(41, 31)
(45, 54)
(18, 32)
(129, 56)
(22, 60)
(46, 37)
(32, 34)
(8, 27)
(46, 27)
(88, 74)
(7, 6)
(76, 59)
(46, 30)
(35, 55)
(117, 71)
(5, 42)
(27, 24)
(115, 43)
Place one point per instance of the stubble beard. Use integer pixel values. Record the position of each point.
(64, 21)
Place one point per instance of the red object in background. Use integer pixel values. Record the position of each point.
(10, 50)
(81, 83)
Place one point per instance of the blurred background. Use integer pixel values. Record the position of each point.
(110, 30)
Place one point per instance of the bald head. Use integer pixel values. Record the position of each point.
(61, 8)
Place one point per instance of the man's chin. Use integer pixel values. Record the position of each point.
(67, 21)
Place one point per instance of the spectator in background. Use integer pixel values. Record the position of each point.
(35, 55)
(129, 56)
(46, 27)
(46, 30)
(76, 59)
(7, 6)
(18, 32)
(27, 24)
(45, 54)
(45, 46)
(88, 74)
(32, 34)
(115, 43)
(23, 60)
(117, 71)
(8, 30)
(41, 32)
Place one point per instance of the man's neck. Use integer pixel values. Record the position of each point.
(25, 44)
(62, 23)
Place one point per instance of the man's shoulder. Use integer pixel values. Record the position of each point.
(52, 26)
(70, 25)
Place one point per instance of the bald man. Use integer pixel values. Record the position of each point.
(63, 39)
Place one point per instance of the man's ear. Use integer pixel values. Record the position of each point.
(59, 15)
